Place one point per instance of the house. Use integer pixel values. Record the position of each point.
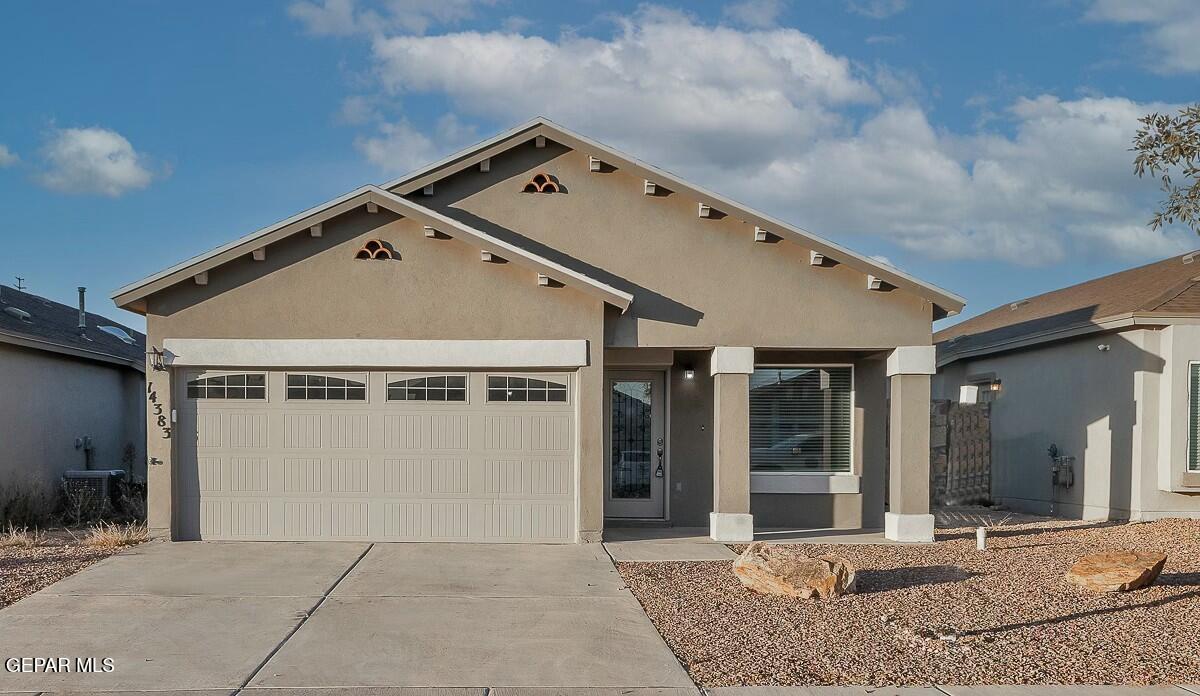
(526, 341)
(72, 392)
(1107, 371)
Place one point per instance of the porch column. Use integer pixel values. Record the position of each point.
(730, 520)
(908, 518)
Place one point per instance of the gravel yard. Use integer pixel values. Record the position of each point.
(943, 613)
(27, 569)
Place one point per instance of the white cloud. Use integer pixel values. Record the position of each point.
(7, 157)
(1171, 29)
(1063, 184)
(774, 119)
(346, 17)
(663, 84)
(92, 160)
(398, 147)
(756, 14)
(877, 9)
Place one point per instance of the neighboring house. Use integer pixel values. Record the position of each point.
(70, 392)
(528, 338)
(1108, 371)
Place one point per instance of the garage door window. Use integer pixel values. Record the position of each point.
(326, 388)
(430, 388)
(246, 386)
(509, 388)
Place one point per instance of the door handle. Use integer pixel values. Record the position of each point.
(658, 473)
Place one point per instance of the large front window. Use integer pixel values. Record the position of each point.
(1193, 460)
(800, 418)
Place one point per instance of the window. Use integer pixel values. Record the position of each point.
(1193, 459)
(325, 388)
(251, 386)
(435, 388)
(800, 419)
(503, 388)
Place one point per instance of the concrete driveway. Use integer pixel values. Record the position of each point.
(224, 617)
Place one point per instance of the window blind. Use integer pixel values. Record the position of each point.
(800, 419)
(1193, 460)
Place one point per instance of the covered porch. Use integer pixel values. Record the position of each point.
(737, 440)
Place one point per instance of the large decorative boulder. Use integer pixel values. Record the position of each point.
(1117, 571)
(779, 570)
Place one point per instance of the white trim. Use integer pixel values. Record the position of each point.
(1191, 421)
(731, 527)
(912, 360)
(908, 528)
(401, 206)
(541, 126)
(365, 353)
(804, 482)
(727, 360)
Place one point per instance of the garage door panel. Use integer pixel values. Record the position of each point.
(379, 470)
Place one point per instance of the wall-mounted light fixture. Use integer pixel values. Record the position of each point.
(689, 373)
(156, 359)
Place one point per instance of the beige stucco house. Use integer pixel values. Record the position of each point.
(526, 341)
(70, 393)
(1107, 371)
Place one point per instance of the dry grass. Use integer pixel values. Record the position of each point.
(21, 537)
(107, 535)
(943, 613)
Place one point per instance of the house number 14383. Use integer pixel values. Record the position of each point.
(156, 409)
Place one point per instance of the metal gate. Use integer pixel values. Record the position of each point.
(960, 455)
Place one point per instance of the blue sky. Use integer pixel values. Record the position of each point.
(980, 146)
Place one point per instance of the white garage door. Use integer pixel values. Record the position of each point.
(381, 456)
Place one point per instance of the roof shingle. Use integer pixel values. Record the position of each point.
(1167, 287)
(58, 324)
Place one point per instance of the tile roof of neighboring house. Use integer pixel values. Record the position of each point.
(1167, 288)
(40, 323)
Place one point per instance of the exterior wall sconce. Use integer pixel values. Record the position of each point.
(156, 357)
(689, 373)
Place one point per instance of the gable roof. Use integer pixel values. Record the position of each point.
(130, 295)
(1155, 292)
(947, 302)
(43, 324)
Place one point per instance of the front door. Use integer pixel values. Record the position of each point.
(637, 457)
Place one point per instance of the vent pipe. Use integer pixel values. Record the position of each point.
(82, 314)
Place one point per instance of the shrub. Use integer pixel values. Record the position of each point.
(110, 536)
(131, 501)
(25, 505)
(83, 505)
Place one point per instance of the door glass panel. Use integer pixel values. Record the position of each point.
(631, 439)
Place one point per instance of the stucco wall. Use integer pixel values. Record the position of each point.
(1161, 487)
(1101, 406)
(438, 289)
(49, 400)
(697, 282)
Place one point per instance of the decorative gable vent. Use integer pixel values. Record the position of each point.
(375, 249)
(541, 183)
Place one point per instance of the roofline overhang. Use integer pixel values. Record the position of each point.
(1116, 322)
(52, 347)
(949, 303)
(130, 296)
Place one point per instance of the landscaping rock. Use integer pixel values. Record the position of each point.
(778, 570)
(1117, 571)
